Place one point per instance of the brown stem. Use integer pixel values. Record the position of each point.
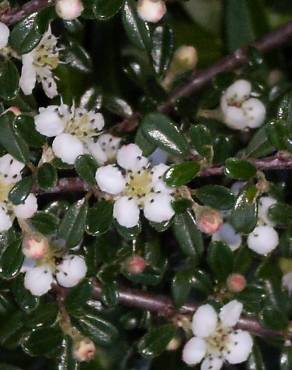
(164, 306)
(14, 15)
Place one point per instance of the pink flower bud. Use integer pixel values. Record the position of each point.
(15, 110)
(151, 10)
(209, 221)
(69, 9)
(35, 246)
(185, 57)
(135, 265)
(84, 350)
(236, 283)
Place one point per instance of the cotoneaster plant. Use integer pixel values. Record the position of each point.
(145, 175)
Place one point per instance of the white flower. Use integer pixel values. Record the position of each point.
(38, 65)
(215, 339)
(69, 9)
(151, 10)
(40, 276)
(287, 282)
(263, 239)
(4, 35)
(104, 149)
(263, 208)
(239, 109)
(28, 208)
(74, 129)
(229, 236)
(136, 186)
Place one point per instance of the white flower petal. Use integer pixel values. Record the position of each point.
(67, 147)
(28, 208)
(4, 35)
(263, 208)
(212, 363)
(28, 76)
(110, 179)
(239, 91)
(69, 9)
(97, 152)
(255, 112)
(204, 321)
(38, 280)
(10, 169)
(239, 348)
(263, 239)
(71, 271)
(158, 208)
(194, 351)
(126, 212)
(151, 11)
(158, 183)
(28, 264)
(5, 220)
(230, 313)
(228, 235)
(287, 282)
(49, 123)
(235, 118)
(130, 157)
(49, 85)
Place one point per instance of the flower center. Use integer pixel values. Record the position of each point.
(4, 190)
(82, 126)
(46, 54)
(138, 184)
(218, 343)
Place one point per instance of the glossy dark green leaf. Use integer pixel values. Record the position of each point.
(73, 224)
(156, 340)
(99, 218)
(137, 30)
(284, 111)
(277, 133)
(244, 213)
(239, 169)
(128, 233)
(216, 196)
(47, 176)
(11, 327)
(255, 360)
(162, 48)
(117, 105)
(181, 286)
(187, 235)
(180, 205)
(43, 341)
(280, 213)
(286, 359)
(259, 145)
(182, 173)
(26, 127)
(252, 297)
(106, 9)
(66, 361)
(11, 260)
(45, 315)
(159, 130)
(11, 140)
(78, 296)
(45, 222)
(220, 260)
(86, 167)
(273, 318)
(21, 190)
(9, 80)
(201, 139)
(77, 57)
(25, 300)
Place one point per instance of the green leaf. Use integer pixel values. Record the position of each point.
(220, 260)
(239, 169)
(159, 130)
(78, 296)
(101, 331)
(280, 213)
(45, 222)
(156, 340)
(244, 213)
(9, 80)
(187, 235)
(106, 9)
(11, 140)
(21, 190)
(45, 315)
(99, 218)
(73, 224)
(66, 360)
(86, 167)
(182, 173)
(259, 145)
(216, 196)
(43, 341)
(11, 260)
(255, 360)
(25, 300)
(286, 359)
(25, 125)
(117, 105)
(277, 133)
(47, 176)
(162, 48)
(137, 30)
(274, 318)
(201, 139)
(181, 286)
(11, 327)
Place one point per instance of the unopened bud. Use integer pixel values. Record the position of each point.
(135, 265)
(174, 344)
(151, 10)
(236, 283)
(209, 221)
(84, 350)
(35, 246)
(69, 9)
(185, 58)
(15, 110)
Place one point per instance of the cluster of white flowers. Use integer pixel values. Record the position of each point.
(151, 10)
(74, 130)
(10, 174)
(136, 185)
(241, 110)
(216, 341)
